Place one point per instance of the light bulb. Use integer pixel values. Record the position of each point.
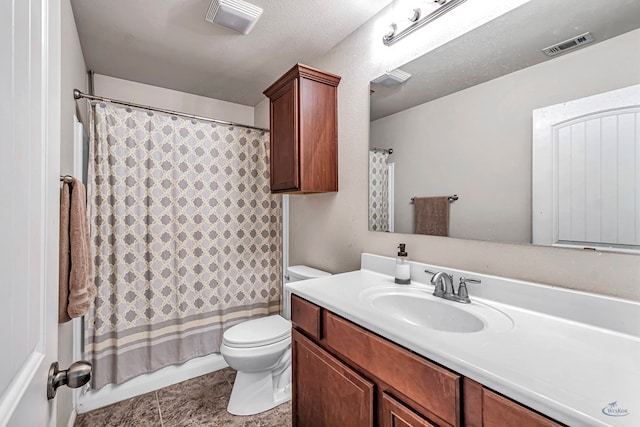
(392, 30)
(416, 15)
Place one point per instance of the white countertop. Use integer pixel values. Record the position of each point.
(570, 370)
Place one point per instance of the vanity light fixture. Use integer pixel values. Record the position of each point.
(237, 15)
(417, 21)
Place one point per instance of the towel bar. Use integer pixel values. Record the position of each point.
(452, 198)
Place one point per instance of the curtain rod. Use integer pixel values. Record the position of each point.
(77, 95)
(384, 150)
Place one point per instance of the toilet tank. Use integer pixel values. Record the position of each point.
(296, 273)
(303, 272)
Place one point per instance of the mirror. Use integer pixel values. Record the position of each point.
(462, 123)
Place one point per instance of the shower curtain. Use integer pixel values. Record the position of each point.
(378, 191)
(187, 238)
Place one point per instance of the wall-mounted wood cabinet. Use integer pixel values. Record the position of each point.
(344, 375)
(304, 131)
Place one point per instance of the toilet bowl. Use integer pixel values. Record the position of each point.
(260, 350)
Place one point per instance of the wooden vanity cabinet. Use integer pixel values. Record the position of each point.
(395, 414)
(498, 411)
(327, 392)
(334, 360)
(430, 388)
(304, 131)
(344, 375)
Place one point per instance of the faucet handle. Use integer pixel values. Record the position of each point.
(463, 294)
(433, 273)
(464, 281)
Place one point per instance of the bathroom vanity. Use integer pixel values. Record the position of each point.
(367, 352)
(346, 375)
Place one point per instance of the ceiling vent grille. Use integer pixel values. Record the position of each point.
(570, 44)
(237, 15)
(392, 78)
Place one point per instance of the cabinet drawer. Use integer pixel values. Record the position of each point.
(498, 411)
(305, 316)
(395, 414)
(434, 388)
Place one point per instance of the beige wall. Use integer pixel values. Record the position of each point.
(261, 114)
(74, 75)
(139, 93)
(492, 123)
(329, 231)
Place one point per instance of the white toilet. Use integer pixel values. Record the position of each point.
(260, 350)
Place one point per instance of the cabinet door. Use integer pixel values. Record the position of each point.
(498, 411)
(327, 393)
(395, 414)
(318, 136)
(284, 154)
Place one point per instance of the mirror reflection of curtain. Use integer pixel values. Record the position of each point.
(378, 191)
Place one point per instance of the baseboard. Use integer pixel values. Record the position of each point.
(146, 383)
(72, 418)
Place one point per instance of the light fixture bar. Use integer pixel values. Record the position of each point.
(390, 39)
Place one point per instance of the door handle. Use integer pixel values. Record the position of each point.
(78, 374)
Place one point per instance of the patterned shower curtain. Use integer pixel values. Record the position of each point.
(187, 238)
(378, 191)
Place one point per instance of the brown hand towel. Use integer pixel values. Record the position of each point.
(431, 215)
(63, 283)
(75, 254)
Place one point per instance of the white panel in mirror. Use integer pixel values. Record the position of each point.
(591, 198)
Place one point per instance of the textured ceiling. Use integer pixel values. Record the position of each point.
(509, 43)
(168, 43)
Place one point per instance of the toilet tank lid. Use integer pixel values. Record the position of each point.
(306, 272)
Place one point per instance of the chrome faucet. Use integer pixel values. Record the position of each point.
(443, 284)
(443, 287)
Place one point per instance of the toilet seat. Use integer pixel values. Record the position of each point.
(257, 332)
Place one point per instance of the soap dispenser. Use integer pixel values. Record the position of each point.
(403, 270)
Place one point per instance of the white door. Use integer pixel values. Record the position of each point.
(586, 172)
(29, 200)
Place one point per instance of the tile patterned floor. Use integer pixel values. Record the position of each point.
(201, 401)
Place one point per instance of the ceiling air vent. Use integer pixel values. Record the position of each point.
(566, 45)
(237, 15)
(392, 78)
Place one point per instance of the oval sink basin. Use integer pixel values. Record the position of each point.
(419, 308)
(431, 314)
